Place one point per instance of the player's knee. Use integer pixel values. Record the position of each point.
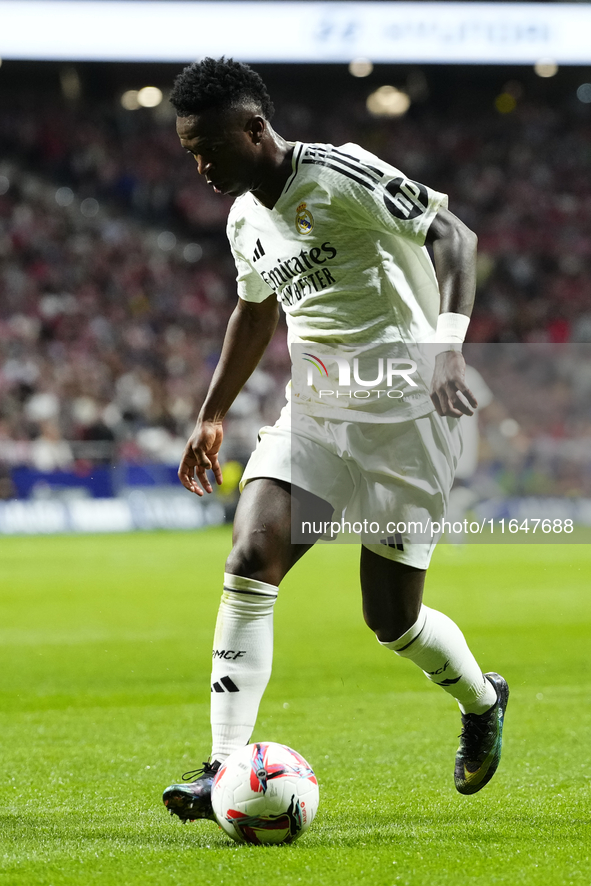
(251, 560)
(389, 627)
(374, 621)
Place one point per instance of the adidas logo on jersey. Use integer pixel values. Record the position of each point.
(258, 252)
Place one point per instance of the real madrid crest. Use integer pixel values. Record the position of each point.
(304, 220)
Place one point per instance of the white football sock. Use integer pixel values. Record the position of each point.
(242, 659)
(436, 644)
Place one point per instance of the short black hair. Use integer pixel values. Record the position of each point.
(219, 83)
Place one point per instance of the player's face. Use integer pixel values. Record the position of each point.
(224, 145)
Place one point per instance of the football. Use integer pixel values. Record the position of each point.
(265, 793)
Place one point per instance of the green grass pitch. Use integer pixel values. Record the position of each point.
(105, 644)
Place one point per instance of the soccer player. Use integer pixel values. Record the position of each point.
(338, 237)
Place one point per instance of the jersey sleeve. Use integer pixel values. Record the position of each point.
(251, 286)
(376, 195)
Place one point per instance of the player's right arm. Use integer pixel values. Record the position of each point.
(249, 331)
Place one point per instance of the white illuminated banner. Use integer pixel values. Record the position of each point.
(116, 30)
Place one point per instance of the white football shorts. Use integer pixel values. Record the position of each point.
(394, 476)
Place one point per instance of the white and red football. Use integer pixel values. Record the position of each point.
(265, 793)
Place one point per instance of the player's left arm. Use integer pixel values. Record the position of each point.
(454, 254)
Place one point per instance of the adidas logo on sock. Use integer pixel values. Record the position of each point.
(227, 685)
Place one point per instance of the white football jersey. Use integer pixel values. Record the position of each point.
(343, 251)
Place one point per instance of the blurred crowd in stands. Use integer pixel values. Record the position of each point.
(116, 281)
(536, 436)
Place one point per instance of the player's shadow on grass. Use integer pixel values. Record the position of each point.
(56, 830)
(475, 826)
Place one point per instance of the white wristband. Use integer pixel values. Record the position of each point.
(451, 331)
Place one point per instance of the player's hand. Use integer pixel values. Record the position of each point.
(449, 391)
(201, 455)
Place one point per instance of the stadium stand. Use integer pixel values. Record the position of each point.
(117, 282)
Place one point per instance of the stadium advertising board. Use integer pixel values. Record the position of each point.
(127, 30)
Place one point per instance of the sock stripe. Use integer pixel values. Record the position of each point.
(249, 585)
(229, 684)
(448, 682)
(402, 648)
(249, 593)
